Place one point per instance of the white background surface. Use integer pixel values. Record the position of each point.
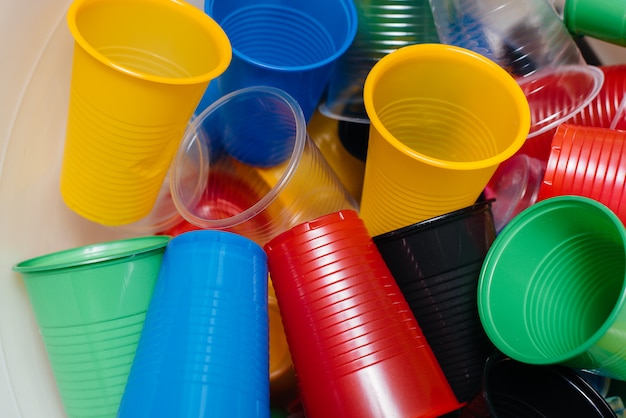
(34, 85)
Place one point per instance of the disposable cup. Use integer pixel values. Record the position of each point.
(133, 91)
(204, 350)
(90, 304)
(290, 46)
(599, 19)
(515, 389)
(436, 264)
(257, 136)
(514, 187)
(442, 119)
(587, 161)
(348, 347)
(383, 27)
(551, 289)
(532, 43)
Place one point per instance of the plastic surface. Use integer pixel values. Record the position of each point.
(421, 167)
(256, 138)
(551, 289)
(356, 348)
(531, 42)
(203, 350)
(90, 303)
(383, 27)
(290, 46)
(132, 93)
(514, 389)
(599, 19)
(587, 161)
(436, 264)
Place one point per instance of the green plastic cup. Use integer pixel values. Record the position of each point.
(599, 19)
(90, 303)
(552, 287)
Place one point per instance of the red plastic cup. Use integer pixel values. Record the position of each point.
(356, 347)
(587, 161)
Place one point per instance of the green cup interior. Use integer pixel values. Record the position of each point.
(552, 283)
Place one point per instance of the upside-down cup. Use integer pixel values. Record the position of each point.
(203, 350)
(356, 347)
(139, 70)
(292, 46)
(587, 161)
(90, 304)
(257, 172)
(442, 119)
(436, 264)
(552, 287)
(532, 43)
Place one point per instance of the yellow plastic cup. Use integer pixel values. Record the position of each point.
(442, 118)
(139, 70)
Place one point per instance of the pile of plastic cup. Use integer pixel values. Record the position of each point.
(340, 208)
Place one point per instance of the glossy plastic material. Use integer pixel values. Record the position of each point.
(436, 264)
(442, 119)
(552, 287)
(588, 161)
(599, 19)
(530, 41)
(132, 93)
(259, 172)
(383, 27)
(514, 389)
(514, 187)
(90, 304)
(204, 347)
(356, 348)
(292, 46)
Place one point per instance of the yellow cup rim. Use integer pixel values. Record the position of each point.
(435, 51)
(182, 7)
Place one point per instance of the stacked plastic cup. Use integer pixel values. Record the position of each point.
(436, 264)
(552, 287)
(532, 43)
(442, 119)
(257, 173)
(587, 161)
(204, 347)
(292, 46)
(383, 27)
(133, 90)
(514, 389)
(356, 346)
(90, 304)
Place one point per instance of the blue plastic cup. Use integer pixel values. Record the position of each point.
(204, 349)
(289, 45)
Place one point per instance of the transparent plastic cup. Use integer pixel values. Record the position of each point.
(529, 40)
(355, 345)
(90, 304)
(133, 91)
(203, 350)
(587, 161)
(551, 289)
(292, 46)
(259, 172)
(442, 119)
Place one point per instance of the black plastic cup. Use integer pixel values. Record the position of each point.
(436, 264)
(521, 390)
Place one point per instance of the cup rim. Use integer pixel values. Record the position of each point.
(189, 137)
(222, 42)
(428, 51)
(93, 254)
